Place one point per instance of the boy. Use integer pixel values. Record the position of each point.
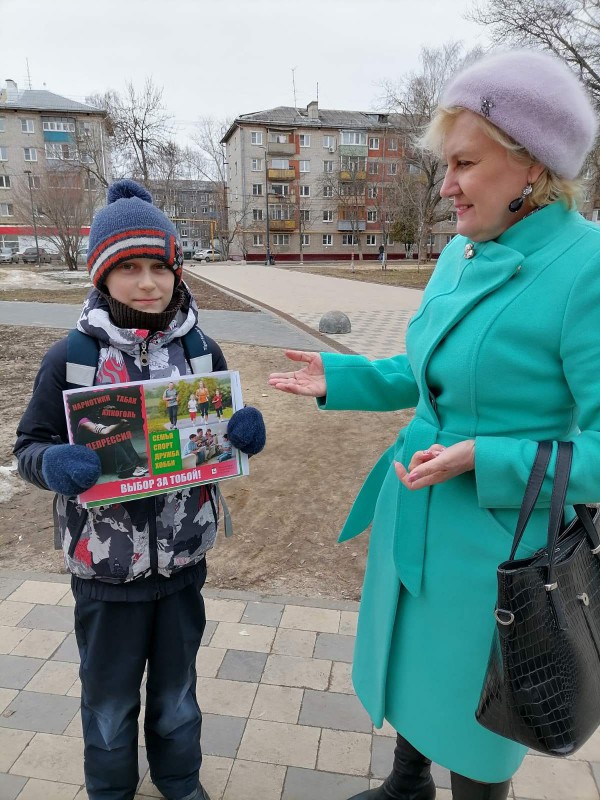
(137, 567)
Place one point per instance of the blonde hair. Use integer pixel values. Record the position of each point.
(548, 188)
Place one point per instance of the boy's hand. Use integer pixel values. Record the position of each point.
(246, 430)
(70, 468)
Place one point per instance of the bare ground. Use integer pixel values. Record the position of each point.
(410, 277)
(287, 512)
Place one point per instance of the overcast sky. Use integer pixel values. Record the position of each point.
(222, 58)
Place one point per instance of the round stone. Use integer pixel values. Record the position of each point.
(335, 322)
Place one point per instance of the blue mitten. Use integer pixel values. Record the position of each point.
(246, 430)
(70, 468)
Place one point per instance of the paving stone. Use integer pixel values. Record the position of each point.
(214, 773)
(294, 643)
(305, 673)
(224, 610)
(55, 677)
(39, 644)
(231, 698)
(68, 650)
(10, 786)
(236, 636)
(67, 600)
(554, 779)
(10, 638)
(280, 743)
(6, 697)
(441, 775)
(382, 756)
(590, 750)
(335, 647)
(348, 623)
(49, 618)
(341, 678)
(208, 661)
(277, 703)
(8, 586)
(16, 671)
(75, 690)
(385, 730)
(221, 736)
(259, 613)
(311, 619)
(74, 728)
(342, 712)
(13, 613)
(52, 758)
(209, 630)
(12, 744)
(304, 783)
(254, 781)
(596, 773)
(243, 665)
(345, 752)
(39, 592)
(33, 711)
(36, 789)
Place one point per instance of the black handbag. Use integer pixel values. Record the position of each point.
(542, 685)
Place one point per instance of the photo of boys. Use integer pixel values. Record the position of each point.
(111, 426)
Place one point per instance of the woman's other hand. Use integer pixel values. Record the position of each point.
(308, 381)
(437, 464)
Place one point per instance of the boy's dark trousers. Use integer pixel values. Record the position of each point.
(115, 640)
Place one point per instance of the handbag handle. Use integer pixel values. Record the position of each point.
(532, 491)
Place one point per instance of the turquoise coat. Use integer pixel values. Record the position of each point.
(505, 350)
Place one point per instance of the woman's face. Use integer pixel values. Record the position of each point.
(482, 178)
(142, 283)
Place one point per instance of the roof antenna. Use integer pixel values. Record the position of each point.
(294, 86)
(28, 74)
(317, 91)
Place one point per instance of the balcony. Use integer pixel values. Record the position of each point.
(281, 174)
(348, 225)
(356, 150)
(281, 148)
(284, 199)
(351, 200)
(282, 225)
(351, 175)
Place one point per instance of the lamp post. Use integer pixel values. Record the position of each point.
(269, 257)
(37, 249)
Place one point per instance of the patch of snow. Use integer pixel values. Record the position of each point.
(10, 483)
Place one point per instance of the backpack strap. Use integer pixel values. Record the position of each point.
(82, 359)
(197, 351)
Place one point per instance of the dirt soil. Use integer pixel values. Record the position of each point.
(411, 278)
(286, 513)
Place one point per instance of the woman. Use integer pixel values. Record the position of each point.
(503, 352)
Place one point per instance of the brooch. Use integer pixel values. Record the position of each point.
(486, 106)
(469, 250)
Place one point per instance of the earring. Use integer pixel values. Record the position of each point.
(517, 204)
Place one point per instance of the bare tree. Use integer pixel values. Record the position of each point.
(348, 186)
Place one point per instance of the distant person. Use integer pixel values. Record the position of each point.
(226, 449)
(217, 402)
(202, 398)
(171, 398)
(192, 408)
(191, 445)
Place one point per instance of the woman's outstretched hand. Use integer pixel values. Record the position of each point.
(308, 381)
(437, 464)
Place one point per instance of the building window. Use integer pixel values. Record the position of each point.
(257, 214)
(194, 210)
(35, 181)
(328, 166)
(372, 192)
(256, 137)
(280, 189)
(30, 153)
(329, 142)
(184, 232)
(304, 191)
(279, 138)
(257, 190)
(305, 239)
(304, 140)
(328, 191)
(58, 150)
(305, 166)
(349, 238)
(4, 182)
(374, 143)
(280, 163)
(371, 239)
(392, 144)
(6, 209)
(3, 153)
(281, 212)
(327, 216)
(305, 214)
(281, 239)
(373, 168)
(257, 239)
(327, 240)
(354, 137)
(372, 215)
(58, 124)
(27, 126)
(393, 169)
(2, 124)
(257, 165)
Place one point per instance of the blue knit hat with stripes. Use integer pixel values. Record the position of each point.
(131, 226)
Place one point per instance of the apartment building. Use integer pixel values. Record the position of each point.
(328, 181)
(197, 209)
(52, 151)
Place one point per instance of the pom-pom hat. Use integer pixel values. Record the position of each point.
(534, 98)
(131, 226)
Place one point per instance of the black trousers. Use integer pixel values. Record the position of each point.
(116, 640)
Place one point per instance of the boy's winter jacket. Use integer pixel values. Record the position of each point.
(117, 544)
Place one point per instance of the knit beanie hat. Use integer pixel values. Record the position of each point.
(131, 226)
(536, 99)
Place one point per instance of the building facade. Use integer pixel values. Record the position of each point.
(197, 210)
(329, 182)
(53, 165)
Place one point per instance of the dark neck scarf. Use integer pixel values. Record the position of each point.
(126, 317)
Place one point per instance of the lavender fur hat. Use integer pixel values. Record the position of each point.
(534, 98)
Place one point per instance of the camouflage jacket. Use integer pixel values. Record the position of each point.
(156, 536)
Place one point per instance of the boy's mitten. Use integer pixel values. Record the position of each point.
(246, 430)
(70, 468)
